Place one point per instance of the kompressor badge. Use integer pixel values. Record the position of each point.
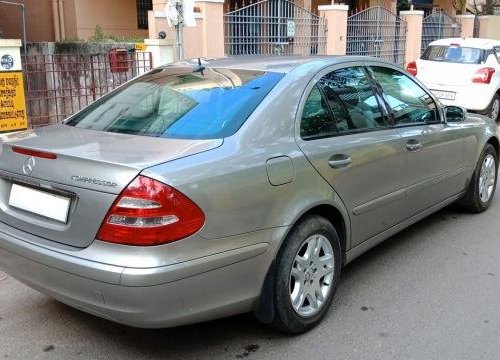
(93, 181)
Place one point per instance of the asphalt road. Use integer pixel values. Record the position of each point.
(431, 292)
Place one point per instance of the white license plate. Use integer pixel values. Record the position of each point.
(40, 202)
(445, 95)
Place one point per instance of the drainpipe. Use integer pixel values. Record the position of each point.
(55, 18)
(23, 9)
(61, 19)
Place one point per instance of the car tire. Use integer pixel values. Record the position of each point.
(482, 185)
(494, 108)
(307, 273)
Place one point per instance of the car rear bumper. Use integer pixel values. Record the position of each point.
(475, 97)
(179, 295)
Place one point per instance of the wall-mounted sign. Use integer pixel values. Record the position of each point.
(140, 47)
(290, 28)
(12, 103)
(7, 62)
(13, 115)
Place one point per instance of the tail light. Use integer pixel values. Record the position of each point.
(412, 68)
(483, 75)
(148, 213)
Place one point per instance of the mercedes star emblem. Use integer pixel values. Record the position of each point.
(29, 165)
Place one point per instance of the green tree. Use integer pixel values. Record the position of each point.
(488, 7)
(403, 5)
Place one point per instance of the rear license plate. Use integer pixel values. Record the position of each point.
(38, 202)
(445, 95)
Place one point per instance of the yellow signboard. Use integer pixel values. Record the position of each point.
(140, 47)
(12, 103)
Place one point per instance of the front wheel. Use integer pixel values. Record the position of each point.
(307, 274)
(483, 182)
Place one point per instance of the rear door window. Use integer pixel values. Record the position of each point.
(453, 53)
(350, 96)
(317, 120)
(179, 103)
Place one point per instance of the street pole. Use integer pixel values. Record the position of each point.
(179, 28)
(23, 9)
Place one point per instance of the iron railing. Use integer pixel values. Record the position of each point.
(377, 32)
(439, 25)
(274, 27)
(57, 86)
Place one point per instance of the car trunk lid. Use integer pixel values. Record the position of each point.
(446, 73)
(90, 169)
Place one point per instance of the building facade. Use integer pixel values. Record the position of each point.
(56, 20)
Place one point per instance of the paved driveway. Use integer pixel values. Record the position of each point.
(431, 292)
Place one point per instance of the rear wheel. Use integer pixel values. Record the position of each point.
(494, 108)
(307, 274)
(483, 183)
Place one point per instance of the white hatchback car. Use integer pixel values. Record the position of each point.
(464, 72)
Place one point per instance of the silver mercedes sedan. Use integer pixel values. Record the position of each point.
(203, 190)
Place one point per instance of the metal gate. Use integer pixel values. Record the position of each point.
(439, 25)
(274, 27)
(58, 85)
(377, 32)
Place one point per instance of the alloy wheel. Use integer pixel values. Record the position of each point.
(311, 275)
(487, 178)
(495, 109)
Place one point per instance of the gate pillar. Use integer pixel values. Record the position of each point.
(336, 17)
(413, 20)
(467, 24)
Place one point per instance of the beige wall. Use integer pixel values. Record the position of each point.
(10, 20)
(116, 17)
(80, 17)
(206, 39)
(70, 19)
(489, 27)
(446, 5)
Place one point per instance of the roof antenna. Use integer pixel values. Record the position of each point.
(200, 68)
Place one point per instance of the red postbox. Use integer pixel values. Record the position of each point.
(118, 60)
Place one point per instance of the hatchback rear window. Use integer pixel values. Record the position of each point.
(176, 102)
(453, 53)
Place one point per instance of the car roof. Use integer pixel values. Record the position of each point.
(468, 42)
(283, 64)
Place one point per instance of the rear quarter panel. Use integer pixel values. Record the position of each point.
(477, 130)
(231, 183)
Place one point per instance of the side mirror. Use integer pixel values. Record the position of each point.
(455, 114)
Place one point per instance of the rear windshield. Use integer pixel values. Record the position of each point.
(456, 54)
(179, 103)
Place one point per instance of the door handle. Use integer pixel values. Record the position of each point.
(413, 145)
(338, 161)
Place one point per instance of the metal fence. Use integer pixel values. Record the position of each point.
(58, 85)
(439, 25)
(274, 27)
(377, 32)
